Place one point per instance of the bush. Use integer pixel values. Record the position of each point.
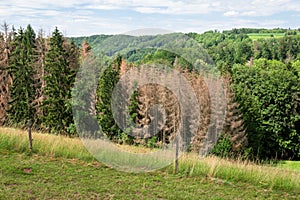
(223, 147)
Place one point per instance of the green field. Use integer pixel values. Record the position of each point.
(61, 168)
(291, 165)
(256, 36)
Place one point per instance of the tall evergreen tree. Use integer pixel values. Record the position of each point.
(105, 88)
(59, 79)
(21, 66)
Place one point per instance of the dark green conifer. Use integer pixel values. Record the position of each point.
(22, 91)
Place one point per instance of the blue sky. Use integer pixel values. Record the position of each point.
(81, 18)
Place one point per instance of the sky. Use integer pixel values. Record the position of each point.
(90, 17)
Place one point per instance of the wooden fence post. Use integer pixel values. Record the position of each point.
(176, 156)
(29, 134)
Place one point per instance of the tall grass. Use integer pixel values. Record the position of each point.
(216, 169)
(226, 170)
(44, 144)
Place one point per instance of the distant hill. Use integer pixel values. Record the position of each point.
(137, 47)
(97, 41)
(92, 40)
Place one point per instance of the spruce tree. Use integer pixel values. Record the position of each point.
(105, 88)
(59, 79)
(22, 90)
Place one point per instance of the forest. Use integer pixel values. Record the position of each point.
(261, 80)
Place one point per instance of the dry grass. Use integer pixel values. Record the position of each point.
(224, 170)
(44, 144)
(241, 171)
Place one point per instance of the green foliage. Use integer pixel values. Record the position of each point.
(152, 142)
(93, 40)
(209, 38)
(256, 31)
(284, 49)
(226, 48)
(84, 97)
(22, 91)
(160, 56)
(107, 82)
(125, 138)
(223, 147)
(269, 106)
(133, 106)
(136, 56)
(59, 79)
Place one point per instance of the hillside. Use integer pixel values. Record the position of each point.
(61, 168)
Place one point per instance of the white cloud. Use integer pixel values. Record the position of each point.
(262, 7)
(231, 13)
(228, 7)
(245, 8)
(82, 17)
(150, 10)
(249, 13)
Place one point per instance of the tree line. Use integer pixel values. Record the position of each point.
(37, 74)
(261, 79)
(264, 77)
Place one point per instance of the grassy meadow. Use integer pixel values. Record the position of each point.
(256, 36)
(61, 168)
